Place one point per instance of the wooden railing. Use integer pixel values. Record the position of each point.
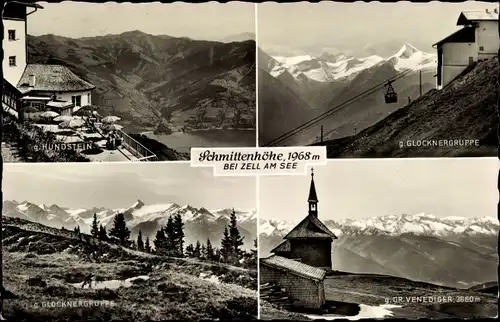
(137, 149)
(11, 97)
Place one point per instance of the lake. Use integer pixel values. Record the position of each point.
(183, 141)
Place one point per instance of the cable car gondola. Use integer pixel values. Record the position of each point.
(390, 95)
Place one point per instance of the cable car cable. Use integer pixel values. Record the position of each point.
(334, 109)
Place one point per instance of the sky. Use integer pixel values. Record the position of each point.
(370, 188)
(212, 20)
(119, 185)
(328, 26)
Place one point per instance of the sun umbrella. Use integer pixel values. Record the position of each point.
(73, 123)
(49, 114)
(63, 118)
(110, 119)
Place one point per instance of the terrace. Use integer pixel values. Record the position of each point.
(96, 138)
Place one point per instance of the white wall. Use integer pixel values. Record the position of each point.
(459, 53)
(14, 48)
(487, 37)
(86, 98)
(66, 96)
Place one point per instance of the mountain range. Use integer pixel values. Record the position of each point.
(316, 84)
(329, 67)
(152, 81)
(244, 36)
(199, 223)
(448, 251)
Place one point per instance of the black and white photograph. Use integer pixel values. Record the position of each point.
(127, 242)
(379, 80)
(104, 82)
(393, 238)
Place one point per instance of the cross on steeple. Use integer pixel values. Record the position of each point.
(313, 198)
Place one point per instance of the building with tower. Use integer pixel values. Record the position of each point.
(299, 265)
(477, 40)
(35, 87)
(310, 242)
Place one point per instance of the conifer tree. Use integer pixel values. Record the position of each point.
(159, 242)
(190, 250)
(236, 238)
(169, 231)
(203, 252)
(197, 250)
(231, 242)
(103, 235)
(178, 236)
(225, 251)
(94, 230)
(120, 229)
(147, 246)
(209, 250)
(217, 255)
(140, 243)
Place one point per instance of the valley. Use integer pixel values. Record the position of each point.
(417, 247)
(317, 84)
(162, 84)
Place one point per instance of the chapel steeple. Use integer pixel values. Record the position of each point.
(310, 241)
(313, 197)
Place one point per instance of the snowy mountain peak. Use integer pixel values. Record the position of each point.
(421, 223)
(336, 66)
(25, 205)
(137, 205)
(200, 224)
(406, 51)
(332, 57)
(409, 57)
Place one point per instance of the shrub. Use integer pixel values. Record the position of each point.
(36, 281)
(29, 139)
(241, 308)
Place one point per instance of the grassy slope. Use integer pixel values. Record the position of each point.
(466, 109)
(375, 290)
(174, 290)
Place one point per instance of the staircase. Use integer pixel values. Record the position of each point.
(276, 295)
(11, 100)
